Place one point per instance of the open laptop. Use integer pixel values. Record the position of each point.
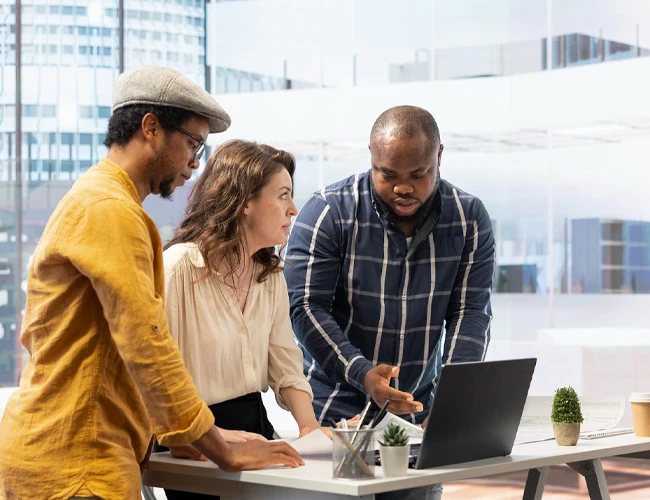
(475, 412)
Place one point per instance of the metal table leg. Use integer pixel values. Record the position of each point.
(594, 475)
(535, 483)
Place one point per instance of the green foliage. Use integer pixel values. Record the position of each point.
(394, 435)
(566, 407)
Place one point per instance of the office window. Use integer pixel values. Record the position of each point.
(107, 32)
(85, 165)
(67, 139)
(54, 30)
(41, 9)
(107, 51)
(68, 49)
(132, 14)
(82, 10)
(168, 18)
(82, 30)
(157, 16)
(48, 111)
(86, 111)
(10, 111)
(156, 35)
(144, 15)
(104, 112)
(111, 12)
(172, 56)
(67, 165)
(68, 30)
(55, 9)
(85, 139)
(571, 49)
(189, 39)
(67, 10)
(30, 110)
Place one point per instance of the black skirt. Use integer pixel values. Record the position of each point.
(245, 413)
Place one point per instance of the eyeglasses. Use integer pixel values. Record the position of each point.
(199, 149)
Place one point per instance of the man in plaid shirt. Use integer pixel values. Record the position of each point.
(377, 263)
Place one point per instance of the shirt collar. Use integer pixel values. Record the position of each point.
(122, 177)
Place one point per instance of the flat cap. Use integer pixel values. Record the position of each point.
(166, 87)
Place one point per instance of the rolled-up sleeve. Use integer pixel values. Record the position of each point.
(285, 358)
(110, 243)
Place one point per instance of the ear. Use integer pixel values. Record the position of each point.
(442, 146)
(150, 126)
(247, 209)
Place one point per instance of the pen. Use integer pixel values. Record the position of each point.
(380, 414)
(361, 419)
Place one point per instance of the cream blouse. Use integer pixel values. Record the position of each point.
(229, 353)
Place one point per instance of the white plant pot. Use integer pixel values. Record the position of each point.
(394, 460)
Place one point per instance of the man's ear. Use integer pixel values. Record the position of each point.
(246, 209)
(150, 126)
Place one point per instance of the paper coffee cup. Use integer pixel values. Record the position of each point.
(640, 402)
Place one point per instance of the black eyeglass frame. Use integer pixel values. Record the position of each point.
(200, 149)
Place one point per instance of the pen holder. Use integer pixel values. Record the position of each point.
(353, 453)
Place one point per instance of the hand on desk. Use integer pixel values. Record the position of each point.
(377, 385)
(255, 454)
(249, 455)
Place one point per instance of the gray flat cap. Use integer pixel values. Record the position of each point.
(166, 87)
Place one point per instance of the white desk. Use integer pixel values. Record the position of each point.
(314, 480)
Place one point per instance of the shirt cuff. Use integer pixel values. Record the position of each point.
(356, 370)
(297, 381)
(199, 426)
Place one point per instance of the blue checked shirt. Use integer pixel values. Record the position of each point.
(361, 296)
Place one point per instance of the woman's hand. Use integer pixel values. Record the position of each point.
(308, 430)
(239, 436)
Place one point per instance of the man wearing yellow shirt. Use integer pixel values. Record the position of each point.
(104, 373)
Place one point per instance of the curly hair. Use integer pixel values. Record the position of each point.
(234, 174)
(124, 122)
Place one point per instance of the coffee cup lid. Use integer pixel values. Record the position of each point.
(640, 397)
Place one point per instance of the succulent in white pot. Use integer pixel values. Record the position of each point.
(394, 450)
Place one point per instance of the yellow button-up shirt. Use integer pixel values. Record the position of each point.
(104, 373)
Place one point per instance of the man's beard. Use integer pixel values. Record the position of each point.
(389, 214)
(162, 162)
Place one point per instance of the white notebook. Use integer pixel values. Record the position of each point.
(606, 433)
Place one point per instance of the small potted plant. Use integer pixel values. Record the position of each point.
(394, 450)
(566, 416)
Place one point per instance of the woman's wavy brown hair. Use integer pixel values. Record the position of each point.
(234, 174)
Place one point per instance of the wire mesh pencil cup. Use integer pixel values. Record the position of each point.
(353, 453)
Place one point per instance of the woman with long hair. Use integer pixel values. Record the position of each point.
(226, 297)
